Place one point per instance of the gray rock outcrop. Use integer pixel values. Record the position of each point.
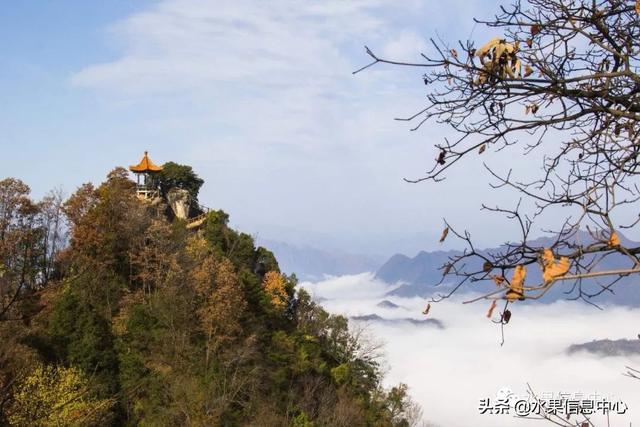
(179, 201)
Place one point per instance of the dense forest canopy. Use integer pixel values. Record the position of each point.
(174, 175)
(110, 314)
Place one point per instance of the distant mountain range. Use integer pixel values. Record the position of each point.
(623, 347)
(311, 264)
(419, 274)
(395, 321)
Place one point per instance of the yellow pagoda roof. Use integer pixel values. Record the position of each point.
(145, 165)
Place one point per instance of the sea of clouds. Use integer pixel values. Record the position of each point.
(449, 370)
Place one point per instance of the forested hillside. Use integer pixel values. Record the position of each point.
(112, 314)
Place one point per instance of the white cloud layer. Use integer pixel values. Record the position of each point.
(449, 370)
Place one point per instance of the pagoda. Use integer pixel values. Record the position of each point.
(146, 169)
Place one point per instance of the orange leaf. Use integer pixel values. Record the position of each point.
(556, 269)
(498, 279)
(482, 148)
(548, 261)
(516, 288)
(638, 6)
(614, 240)
(529, 42)
(547, 258)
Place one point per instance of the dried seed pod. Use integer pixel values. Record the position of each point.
(427, 309)
(506, 316)
(447, 269)
(535, 29)
(444, 234)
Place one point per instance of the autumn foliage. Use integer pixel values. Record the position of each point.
(275, 287)
(110, 314)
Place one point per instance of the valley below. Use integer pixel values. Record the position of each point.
(453, 357)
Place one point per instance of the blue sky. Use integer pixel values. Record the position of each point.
(257, 96)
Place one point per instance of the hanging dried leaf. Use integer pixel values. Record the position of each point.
(534, 108)
(426, 310)
(527, 70)
(638, 7)
(482, 148)
(499, 280)
(529, 42)
(535, 29)
(491, 308)
(614, 240)
(454, 53)
(550, 268)
(487, 266)
(553, 269)
(506, 316)
(547, 258)
(516, 287)
(440, 160)
(444, 234)
(447, 269)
